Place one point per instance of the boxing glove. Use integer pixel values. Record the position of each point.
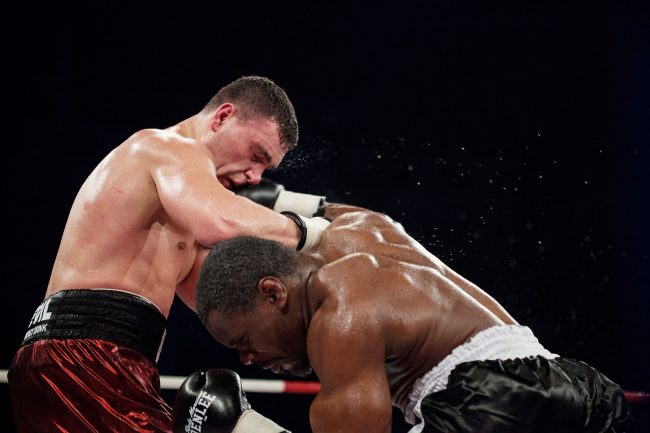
(273, 195)
(214, 402)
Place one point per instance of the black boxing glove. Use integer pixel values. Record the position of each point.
(273, 195)
(214, 402)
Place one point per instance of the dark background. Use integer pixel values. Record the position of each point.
(512, 141)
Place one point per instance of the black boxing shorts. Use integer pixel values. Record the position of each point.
(87, 364)
(523, 395)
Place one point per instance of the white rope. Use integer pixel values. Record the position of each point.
(249, 385)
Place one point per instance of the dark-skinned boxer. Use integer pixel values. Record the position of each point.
(384, 322)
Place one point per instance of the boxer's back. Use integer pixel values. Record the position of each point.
(419, 303)
(118, 235)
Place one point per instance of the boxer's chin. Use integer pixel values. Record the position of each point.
(300, 368)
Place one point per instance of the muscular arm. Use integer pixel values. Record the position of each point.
(347, 353)
(190, 193)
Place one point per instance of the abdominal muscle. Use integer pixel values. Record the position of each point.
(149, 264)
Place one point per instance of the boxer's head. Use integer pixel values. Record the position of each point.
(258, 97)
(253, 124)
(249, 297)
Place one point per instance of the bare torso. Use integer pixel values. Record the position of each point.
(381, 282)
(118, 235)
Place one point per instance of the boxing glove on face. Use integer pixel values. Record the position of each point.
(214, 402)
(273, 195)
(265, 193)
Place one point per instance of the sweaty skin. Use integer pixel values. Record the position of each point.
(382, 312)
(145, 217)
(371, 310)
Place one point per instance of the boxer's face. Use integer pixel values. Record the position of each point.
(264, 336)
(245, 148)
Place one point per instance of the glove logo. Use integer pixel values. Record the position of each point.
(198, 411)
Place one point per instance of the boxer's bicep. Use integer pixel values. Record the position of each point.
(197, 202)
(190, 193)
(348, 356)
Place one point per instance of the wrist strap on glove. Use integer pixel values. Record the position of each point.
(301, 225)
(311, 230)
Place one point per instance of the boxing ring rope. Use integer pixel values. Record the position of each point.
(255, 385)
(637, 396)
(307, 387)
(249, 385)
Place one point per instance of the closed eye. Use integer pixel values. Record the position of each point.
(261, 155)
(235, 342)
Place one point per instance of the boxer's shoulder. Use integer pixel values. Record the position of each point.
(353, 231)
(156, 148)
(347, 266)
(345, 278)
(359, 218)
(159, 140)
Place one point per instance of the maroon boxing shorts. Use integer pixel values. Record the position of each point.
(87, 364)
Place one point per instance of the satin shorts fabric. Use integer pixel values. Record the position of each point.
(534, 394)
(85, 386)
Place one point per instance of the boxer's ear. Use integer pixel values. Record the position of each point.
(273, 291)
(220, 115)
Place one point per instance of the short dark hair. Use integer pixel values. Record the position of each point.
(229, 275)
(256, 96)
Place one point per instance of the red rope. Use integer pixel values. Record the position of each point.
(303, 387)
(298, 387)
(637, 396)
